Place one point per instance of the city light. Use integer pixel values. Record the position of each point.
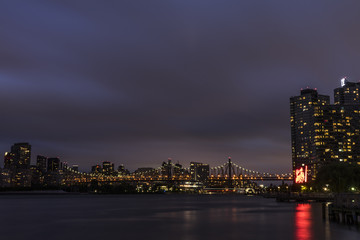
(343, 81)
(301, 175)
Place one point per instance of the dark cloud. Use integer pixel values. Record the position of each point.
(139, 82)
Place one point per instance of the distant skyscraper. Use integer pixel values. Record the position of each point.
(9, 160)
(41, 163)
(17, 165)
(53, 164)
(108, 168)
(121, 168)
(22, 155)
(166, 169)
(199, 171)
(96, 169)
(178, 170)
(322, 132)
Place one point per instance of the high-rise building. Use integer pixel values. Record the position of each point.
(19, 157)
(21, 178)
(306, 123)
(5, 178)
(322, 132)
(199, 171)
(122, 170)
(41, 163)
(178, 170)
(108, 168)
(347, 94)
(63, 165)
(17, 165)
(36, 175)
(344, 123)
(96, 169)
(53, 164)
(9, 160)
(166, 169)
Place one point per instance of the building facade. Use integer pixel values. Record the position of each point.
(41, 163)
(108, 168)
(53, 164)
(199, 171)
(322, 132)
(19, 157)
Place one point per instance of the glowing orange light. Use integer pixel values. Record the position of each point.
(301, 175)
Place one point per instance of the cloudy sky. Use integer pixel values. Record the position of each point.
(137, 82)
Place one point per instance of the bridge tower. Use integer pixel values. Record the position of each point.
(229, 177)
(169, 169)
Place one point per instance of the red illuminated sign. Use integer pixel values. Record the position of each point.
(301, 175)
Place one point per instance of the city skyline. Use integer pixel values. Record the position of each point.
(136, 84)
(52, 173)
(19, 158)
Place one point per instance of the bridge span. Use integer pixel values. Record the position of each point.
(229, 172)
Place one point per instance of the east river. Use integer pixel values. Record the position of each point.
(187, 217)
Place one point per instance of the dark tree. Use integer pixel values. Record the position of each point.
(338, 177)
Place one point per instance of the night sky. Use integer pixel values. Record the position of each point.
(137, 82)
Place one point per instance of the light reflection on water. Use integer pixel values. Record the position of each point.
(174, 217)
(303, 222)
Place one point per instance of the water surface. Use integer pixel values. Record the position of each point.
(175, 217)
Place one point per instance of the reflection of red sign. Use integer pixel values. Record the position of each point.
(304, 222)
(301, 175)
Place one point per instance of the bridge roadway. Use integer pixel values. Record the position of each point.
(177, 179)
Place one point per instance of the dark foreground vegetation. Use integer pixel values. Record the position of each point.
(338, 177)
